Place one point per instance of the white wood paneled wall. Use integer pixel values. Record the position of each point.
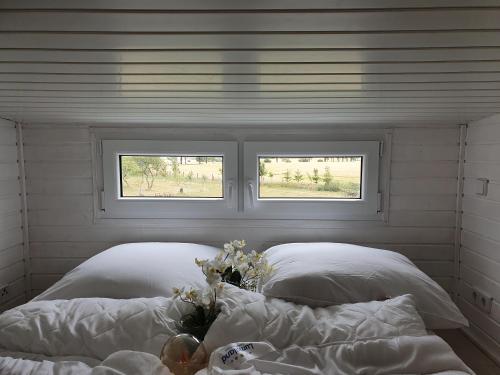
(480, 245)
(62, 233)
(12, 267)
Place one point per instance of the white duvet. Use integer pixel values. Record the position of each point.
(252, 335)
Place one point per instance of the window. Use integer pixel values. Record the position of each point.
(157, 179)
(320, 180)
(171, 176)
(160, 179)
(310, 177)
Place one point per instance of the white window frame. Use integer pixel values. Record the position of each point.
(366, 208)
(113, 206)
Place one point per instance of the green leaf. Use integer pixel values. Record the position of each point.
(235, 278)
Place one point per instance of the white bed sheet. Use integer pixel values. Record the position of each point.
(97, 336)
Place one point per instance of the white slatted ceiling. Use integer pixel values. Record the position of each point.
(419, 62)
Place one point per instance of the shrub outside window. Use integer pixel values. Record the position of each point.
(167, 179)
(171, 176)
(312, 180)
(310, 177)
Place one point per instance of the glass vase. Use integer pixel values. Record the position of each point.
(184, 354)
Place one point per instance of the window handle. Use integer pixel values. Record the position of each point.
(230, 187)
(251, 193)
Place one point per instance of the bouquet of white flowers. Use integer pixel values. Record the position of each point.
(235, 267)
(231, 265)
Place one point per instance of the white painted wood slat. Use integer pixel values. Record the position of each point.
(481, 245)
(8, 154)
(353, 102)
(57, 201)
(280, 113)
(446, 169)
(251, 78)
(10, 221)
(278, 108)
(485, 227)
(61, 185)
(424, 152)
(58, 169)
(423, 202)
(254, 55)
(319, 40)
(426, 137)
(54, 136)
(350, 119)
(11, 238)
(158, 5)
(124, 234)
(9, 205)
(9, 188)
(11, 273)
(57, 153)
(7, 135)
(11, 255)
(417, 218)
(446, 19)
(474, 205)
(366, 67)
(424, 186)
(9, 171)
(488, 267)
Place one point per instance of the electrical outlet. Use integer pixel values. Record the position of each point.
(4, 293)
(482, 300)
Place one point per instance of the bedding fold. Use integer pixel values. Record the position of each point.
(107, 336)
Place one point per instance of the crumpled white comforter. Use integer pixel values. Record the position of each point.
(252, 335)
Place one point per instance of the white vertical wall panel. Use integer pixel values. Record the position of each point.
(12, 271)
(63, 234)
(480, 242)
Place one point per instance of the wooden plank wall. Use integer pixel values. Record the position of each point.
(480, 244)
(218, 62)
(62, 233)
(12, 268)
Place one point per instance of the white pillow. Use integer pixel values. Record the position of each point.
(134, 270)
(322, 274)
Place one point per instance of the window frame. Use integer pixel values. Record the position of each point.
(114, 206)
(366, 208)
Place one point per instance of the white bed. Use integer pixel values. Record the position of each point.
(254, 334)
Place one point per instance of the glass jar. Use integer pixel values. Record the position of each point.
(184, 354)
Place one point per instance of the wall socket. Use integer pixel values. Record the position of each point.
(482, 300)
(4, 293)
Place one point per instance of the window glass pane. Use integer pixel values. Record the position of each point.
(172, 176)
(305, 177)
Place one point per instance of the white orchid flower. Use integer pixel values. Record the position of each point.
(213, 278)
(178, 292)
(229, 248)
